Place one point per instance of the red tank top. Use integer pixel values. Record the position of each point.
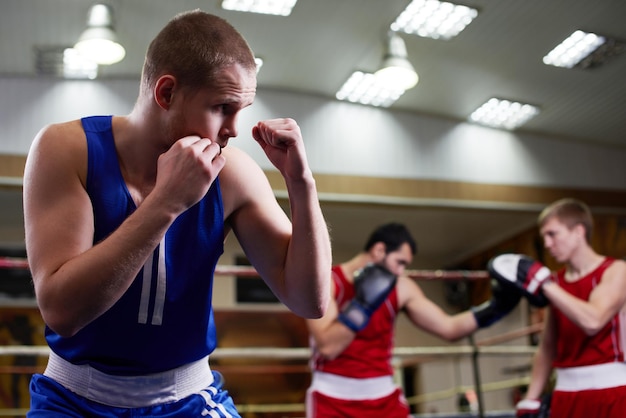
(369, 354)
(574, 348)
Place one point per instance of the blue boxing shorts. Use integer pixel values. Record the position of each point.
(51, 398)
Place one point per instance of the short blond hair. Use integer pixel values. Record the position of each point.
(192, 47)
(570, 212)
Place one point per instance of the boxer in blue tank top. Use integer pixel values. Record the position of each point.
(125, 221)
(171, 295)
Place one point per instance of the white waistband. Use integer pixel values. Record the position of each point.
(599, 376)
(342, 387)
(130, 391)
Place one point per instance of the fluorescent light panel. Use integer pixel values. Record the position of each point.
(574, 49)
(65, 62)
(505, 114)
(76, 65)
(365, 88)
(434, 19)
(269, 7)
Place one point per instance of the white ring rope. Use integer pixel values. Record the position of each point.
(247, 271)
(304, 353)
(486, 346)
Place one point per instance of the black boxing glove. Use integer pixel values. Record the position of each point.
(527, 274)
(372, 285)
(504, 298)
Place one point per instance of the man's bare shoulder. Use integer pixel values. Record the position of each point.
(408, 289)
(408, 281)
(239, 165)
(59, 147)
(242, 180)
(618, 268)
(620, 263)
(64, 131)
(236, 154)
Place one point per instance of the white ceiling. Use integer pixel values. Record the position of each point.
(323, 41)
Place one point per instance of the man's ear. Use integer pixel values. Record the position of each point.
(378, 251)
(164, 91)
(581, 231)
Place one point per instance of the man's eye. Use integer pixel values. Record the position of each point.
(226, 109)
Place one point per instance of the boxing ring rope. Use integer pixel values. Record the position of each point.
(484, 347)
(304, 354)
(13, 263)
(248, 271)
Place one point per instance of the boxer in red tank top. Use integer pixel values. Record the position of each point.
(585, 333)
(352, 344)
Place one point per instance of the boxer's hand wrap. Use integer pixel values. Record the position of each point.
(372, 285)
(533, 408)
(527, 274)
(504, 298)
(527, 408)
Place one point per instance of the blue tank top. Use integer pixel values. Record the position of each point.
(165, 319)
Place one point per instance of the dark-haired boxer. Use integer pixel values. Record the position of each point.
(352, 344)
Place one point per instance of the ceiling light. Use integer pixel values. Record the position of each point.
(270, 7)
(572, 50)
(434, 19)
(506, 114)
(396, 72)
(610, 49)
(64, 62)
(365, 88)
(99, 42)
